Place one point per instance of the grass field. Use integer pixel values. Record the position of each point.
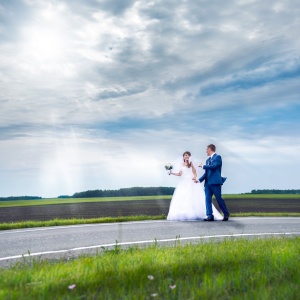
(50, 201)
(231, 269)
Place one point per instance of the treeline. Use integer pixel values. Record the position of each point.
(275, 192)
(20, 198)
(133, 191)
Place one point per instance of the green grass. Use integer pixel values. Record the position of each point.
(49, 201)
(74, 221)
(231, 269)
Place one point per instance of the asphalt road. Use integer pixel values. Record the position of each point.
(70, 241)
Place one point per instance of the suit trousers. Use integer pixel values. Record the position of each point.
(210, 190)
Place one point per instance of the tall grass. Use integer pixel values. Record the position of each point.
(231, 269)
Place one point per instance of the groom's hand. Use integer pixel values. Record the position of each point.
(196, 180)
(201, 165)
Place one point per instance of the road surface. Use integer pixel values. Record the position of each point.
(70, 241)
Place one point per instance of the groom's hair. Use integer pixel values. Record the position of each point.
(212, 147)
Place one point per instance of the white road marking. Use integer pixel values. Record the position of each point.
(148, 242)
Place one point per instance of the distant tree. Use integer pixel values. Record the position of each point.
(20, 198)
(275, 191)
(126, 192)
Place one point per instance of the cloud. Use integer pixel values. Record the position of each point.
(92, 90)
(276, 72)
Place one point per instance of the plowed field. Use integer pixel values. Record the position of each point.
(130, 208)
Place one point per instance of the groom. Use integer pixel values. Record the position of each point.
(213, 182)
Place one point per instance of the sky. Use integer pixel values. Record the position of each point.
(101, 94)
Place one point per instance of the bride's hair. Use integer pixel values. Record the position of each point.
(189, 164)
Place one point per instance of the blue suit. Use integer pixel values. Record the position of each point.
(213, 182)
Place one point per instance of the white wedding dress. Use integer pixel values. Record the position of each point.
(188, 201)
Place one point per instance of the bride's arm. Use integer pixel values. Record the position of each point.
(176, 174)
(194, 172)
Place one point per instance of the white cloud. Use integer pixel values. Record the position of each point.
(96, 89)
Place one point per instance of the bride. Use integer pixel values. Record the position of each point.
(188, 201)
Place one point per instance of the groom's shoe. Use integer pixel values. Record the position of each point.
(225, 219)
(208, 219)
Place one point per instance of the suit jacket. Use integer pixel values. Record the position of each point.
(213, 169)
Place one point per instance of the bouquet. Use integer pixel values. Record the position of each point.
(169, 167)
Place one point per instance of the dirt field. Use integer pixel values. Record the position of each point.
(129, 208)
